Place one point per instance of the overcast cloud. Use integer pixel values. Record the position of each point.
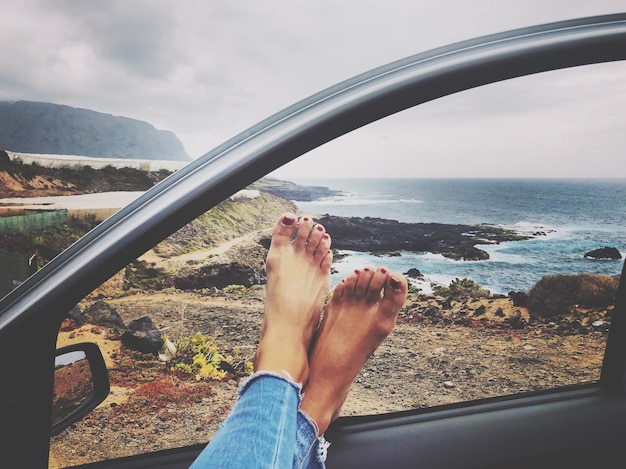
(208, 70)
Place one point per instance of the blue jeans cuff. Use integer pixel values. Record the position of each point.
(259, 374)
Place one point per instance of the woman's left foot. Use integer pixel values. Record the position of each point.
(359, 316)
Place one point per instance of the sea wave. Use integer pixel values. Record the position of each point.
(525, 228)
(351, 200)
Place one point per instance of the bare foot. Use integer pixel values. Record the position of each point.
(359, 316)
(298, 280)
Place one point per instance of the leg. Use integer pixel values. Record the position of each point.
(261, 430)
(359, 316)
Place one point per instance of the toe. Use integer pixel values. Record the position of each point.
(338, 292)
(327, 261)
(314, 239)
(284, 229)
(304, 230)
(350, 284)
(394, 295)
(323, 249)
(364, 280)
(376, 284)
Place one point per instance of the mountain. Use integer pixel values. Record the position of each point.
(35, 127)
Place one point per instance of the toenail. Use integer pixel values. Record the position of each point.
(383, 270)
(325, 236)
(288, 221)
(305, 219)
(320, 228)
(356, 271)
(395, 284)
(366, 269)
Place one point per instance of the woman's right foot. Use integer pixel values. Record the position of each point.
(359, 316)
(298, 279)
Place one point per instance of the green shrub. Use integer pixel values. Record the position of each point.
(414, 289)
(464, 287)
(234, 289)
(199, 356)
(556, 294)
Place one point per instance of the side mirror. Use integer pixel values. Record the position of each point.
(81, 382)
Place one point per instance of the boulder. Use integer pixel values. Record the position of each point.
(519, 298)
(99, 313)
(143, 336)
(413, 273)
(604, 253)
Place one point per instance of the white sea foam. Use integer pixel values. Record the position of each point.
(497, 254)
(354, 200)
(536, 230)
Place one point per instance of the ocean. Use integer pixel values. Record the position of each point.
(576, 215)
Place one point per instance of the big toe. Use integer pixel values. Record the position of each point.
(394, 295)
(284, 229)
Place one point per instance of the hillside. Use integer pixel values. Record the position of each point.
(24, 180)
(35, 127)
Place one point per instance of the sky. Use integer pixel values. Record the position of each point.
(209, 70)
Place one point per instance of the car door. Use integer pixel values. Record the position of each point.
(563, 427)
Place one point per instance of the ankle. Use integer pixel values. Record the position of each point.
(291, 364)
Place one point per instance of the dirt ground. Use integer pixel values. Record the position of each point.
(427, 361)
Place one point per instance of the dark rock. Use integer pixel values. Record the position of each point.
(519, 298)
(219, 276)
(143, 336)
(480, 310)
(413, 273)
(515, 320)
(604, 253)
(499, 313)
(378, 234)
(75, 315)
(102, 314)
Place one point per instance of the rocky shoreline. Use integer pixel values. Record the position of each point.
(457, 242)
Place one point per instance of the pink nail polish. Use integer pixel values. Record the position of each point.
(383, 270)
(319, 228)
(325, 236)
(288, 221)
(357, 271)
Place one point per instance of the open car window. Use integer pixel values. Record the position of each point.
(510, 297)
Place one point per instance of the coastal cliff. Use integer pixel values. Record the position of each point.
(36, 127)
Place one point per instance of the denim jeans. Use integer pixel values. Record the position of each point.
(265, 430)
